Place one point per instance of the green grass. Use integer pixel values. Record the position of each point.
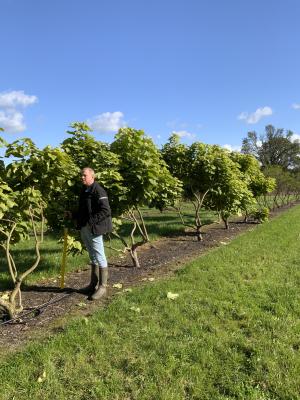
(158, 225)
(232, 333)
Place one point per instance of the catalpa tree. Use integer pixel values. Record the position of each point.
(49, 170)
(257, 182)
(21, 214)
(230, 193)
(86, 151)
(147, 180)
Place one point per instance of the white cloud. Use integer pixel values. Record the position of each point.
(253, 118)
(232, 148)
(296, 106)
(295, 137)
(12, 121)
(16, 98)
(107, 122)
(184, 134)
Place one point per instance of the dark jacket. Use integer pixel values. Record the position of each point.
(94, 210)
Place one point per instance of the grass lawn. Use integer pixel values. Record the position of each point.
(233, 332)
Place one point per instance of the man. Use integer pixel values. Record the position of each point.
(94, 220)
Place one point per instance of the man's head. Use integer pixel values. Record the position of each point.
(87, 176)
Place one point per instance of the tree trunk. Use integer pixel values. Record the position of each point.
(7, 311)
(199, 234)
(135, 259)
(225, 220)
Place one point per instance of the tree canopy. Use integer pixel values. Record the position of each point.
(274, 147)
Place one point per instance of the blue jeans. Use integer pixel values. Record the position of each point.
(94, 246)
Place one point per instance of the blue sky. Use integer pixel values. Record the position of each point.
(210, 70)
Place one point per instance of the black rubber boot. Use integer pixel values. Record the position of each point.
(101, 290)
(90, 288)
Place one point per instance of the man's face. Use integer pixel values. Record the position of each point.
(87, 177)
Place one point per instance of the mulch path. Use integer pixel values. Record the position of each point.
(47, 307)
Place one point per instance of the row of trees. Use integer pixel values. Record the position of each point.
(37, 185)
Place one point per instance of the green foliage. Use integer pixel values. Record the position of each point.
(200, 158)
(175, 155)
(211, 177)
(7, 199)
(15, 206)
(256, 180)
(168, 191)
(74, 246)
(21, 148)
(86, 151)
(146, 176)
(275, 147)
(147, 180)
(211, 171)
(50, 170)
(230, 193)
(261, 215)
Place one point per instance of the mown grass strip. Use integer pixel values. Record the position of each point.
(232, 332)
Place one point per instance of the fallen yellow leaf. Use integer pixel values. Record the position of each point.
(136, 309)
(42, 377)
(81, 304)
(172, 296)
(118, 285)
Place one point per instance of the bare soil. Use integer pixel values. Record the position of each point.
(47, 307)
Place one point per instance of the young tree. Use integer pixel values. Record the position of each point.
(185, 163)
(258, 183)
(86, 151)
(50, 170)
(147, 179)
(287, 184)
(210, 179)
(20, 213)
(230, 193)
(175, 155)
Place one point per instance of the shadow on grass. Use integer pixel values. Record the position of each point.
(5, 284)
(22, 265)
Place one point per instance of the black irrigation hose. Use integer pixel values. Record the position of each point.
(35, 310)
